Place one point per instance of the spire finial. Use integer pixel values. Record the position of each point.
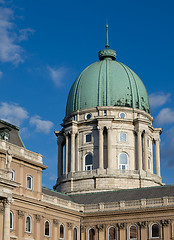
(107, 41)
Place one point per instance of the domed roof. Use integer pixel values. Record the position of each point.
(107, 83)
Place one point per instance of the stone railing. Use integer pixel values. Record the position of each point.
(20, 152)
(115, 206)
(109, 172)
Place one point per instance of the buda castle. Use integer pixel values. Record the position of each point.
(109, 184)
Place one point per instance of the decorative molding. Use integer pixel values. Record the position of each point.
(20, 214)
(142, 224)
(69, 225)
(55, 221)
(100, 227)
(38, 217)
(121, 225)
(1, 210)
(165, 222)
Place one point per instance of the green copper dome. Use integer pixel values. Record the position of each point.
(107, 83)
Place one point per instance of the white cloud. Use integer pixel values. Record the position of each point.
(166, 115)
(25, 33)
(1, 74)
(12, 113)
(10, 50)
(41, 125)
(57, 74)
(158, 99)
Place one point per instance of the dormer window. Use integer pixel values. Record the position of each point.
(4, 134)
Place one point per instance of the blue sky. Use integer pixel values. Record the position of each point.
(44, 45)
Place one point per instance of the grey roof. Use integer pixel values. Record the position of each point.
(115, 196)
(14, 133)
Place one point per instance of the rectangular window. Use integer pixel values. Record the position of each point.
(88, 137)
(13, 175)
(29, 182)
(123, 137)
(105, 113)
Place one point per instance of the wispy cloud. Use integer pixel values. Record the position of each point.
(13, 113)
(25, 33)
(10, 50)
(167, 151)
(41, 125)
(57, 75)
(158, 99)
(165, 116)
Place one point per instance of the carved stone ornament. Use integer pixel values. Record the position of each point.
(82, 227)
(20, 214)
(165, 222)
(55, 221)
(69, 225)
(100, 227)
(142, 224)
(38, 217)
(1, 210)
(8, 158)
(121, 225)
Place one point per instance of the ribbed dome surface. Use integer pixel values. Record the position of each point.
(107, 83)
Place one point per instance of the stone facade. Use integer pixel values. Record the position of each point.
(110, 134)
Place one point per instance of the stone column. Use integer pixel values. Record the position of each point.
(69, 225)
(21, 225)
(72, 152)
(37, 231)
(142, 230)
(6, 227)
(60, 155)
(100, 147)
(66, 154)
(145, 152)
(82, 232)
(157, 155)
(55, 229)
(101, 231)
(165, 229)
(139, 149)
(109, 147)
(121, 231)
(77, 153)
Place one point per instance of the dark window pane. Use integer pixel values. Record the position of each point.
(88, 159)
(133, 232)
(75, 234)
(61, 231)
(47, 228)
(88, 138)
(155, 230)
(112, 233)
(92, 234)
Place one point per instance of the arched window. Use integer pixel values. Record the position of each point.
(28, 224)
(112, 233)
(155, 230)
(47, 228)
(123, 161)
(91, 234)
(11, 220)
(88, 162)
(62, 232)
(133, 232)
(75, 234)
(29, 182)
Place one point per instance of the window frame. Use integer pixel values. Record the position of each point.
(77, 233)
(121, 114)
(63, 232)
(31, 178)
(120, 164)
(115, 231)
(151, 230)
(47, 221)
(13, 175)
(120, 137)
(28, 216)
(11, 220)
(91, 166)
(94, 231)
(136, 231)
(86, 136)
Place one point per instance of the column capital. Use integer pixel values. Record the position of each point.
(109, 128)
(165, 222)
(20, 214)
(38, 217)
(69, 225)
(142, 224)
(100, 227)
(121, 225)
(100, 128)
(7, 202)
(55, 222)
